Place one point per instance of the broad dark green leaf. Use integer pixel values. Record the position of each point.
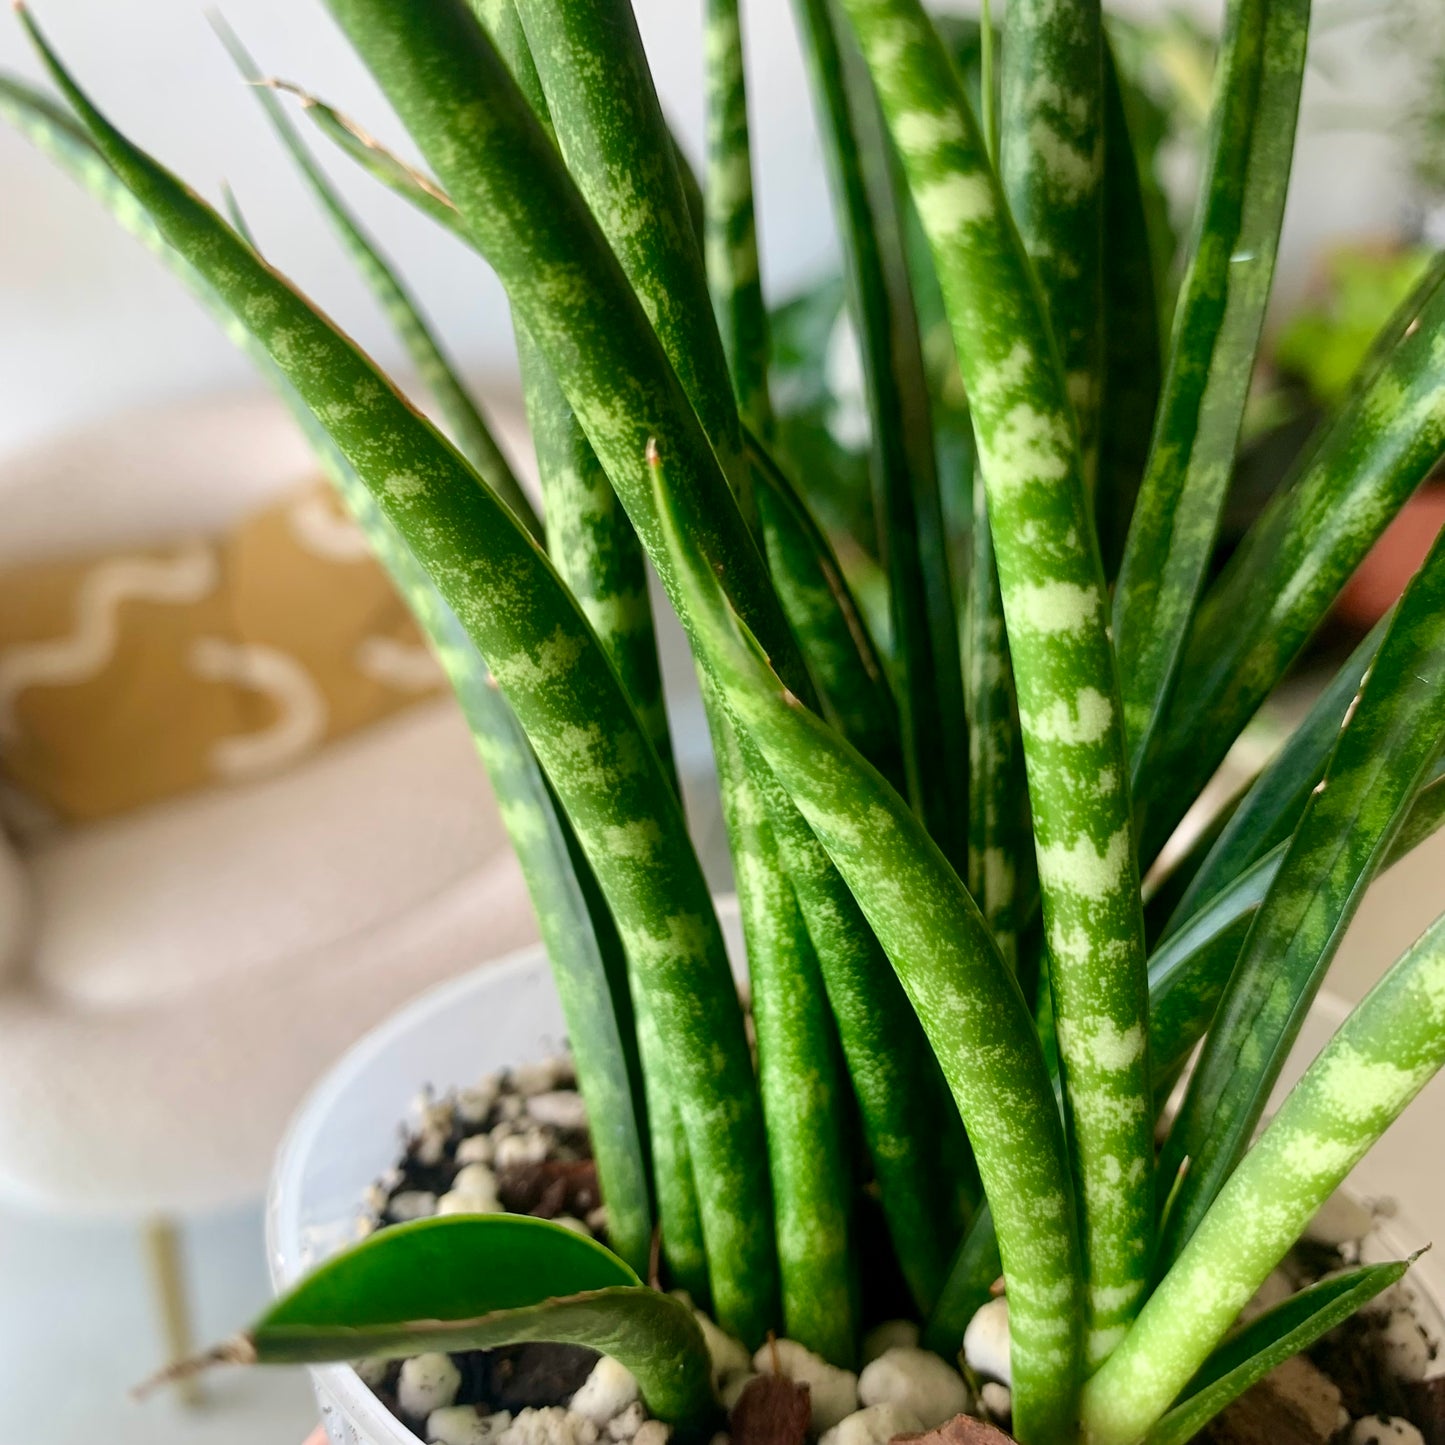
(1385, 752)
(469, 1282)
(1274, 1337)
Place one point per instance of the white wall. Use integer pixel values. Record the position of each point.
(90, 324)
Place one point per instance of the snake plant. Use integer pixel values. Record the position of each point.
(940, 810)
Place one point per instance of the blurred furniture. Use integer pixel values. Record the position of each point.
(174, 978)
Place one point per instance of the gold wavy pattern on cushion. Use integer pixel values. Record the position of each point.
(128, 679)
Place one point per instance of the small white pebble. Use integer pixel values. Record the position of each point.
(652, 1432)
(985, 1342)
(834, 1392)
(475, 1149)
(529, 1148)
(412, 1204)
(1340, 1220)
(373, 1198)
(550, 1426)
(886, 1336)
(997, 1399)
(478, 1181)
(729, 1356)
(372, 1371)
(433, 1116)
(455, 1201)
(626, 1424)
(561, 1108)
(916, 1381)
(474, 1104)
(509, 1107)
(1384, 1430)
(429, 1148)
(427, 1383)
(1405, 1347)
(570, 1221)
(876, 1425)
(464, 1425)
(597, 1219)
(606, 1392)
(531, 1079)
(364, 1228)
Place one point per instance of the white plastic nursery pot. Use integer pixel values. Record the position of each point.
(506, 1013)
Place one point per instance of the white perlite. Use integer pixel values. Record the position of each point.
(412, 1204)
(985, 1342)
(427, 1383)
(1384, 1430)
(729, 1357)
(652, 1432)
(530, 1147)
(475, 1149)
(628, 1423)
(1405, 1346)
(916, 1381)
(886, 1336)
(473, 1191)
(540, 1078)
(550, 1426)
(834, 1392)
(465, 1425)
(606, 1392)
(474, 1104)
(876, 1425)
(561, 1108)
(997, 1399)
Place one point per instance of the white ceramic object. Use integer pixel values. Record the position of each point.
(507, 1013)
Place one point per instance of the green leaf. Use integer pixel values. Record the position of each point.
(472, 1282)
(1051, 160)
(1211, 357)
(972, 1274)
(438, 374)
(1276, 1336)
(1271, 809)
(967, 1000)
(1132, 362)
(730, 232)
(841, 655)
(1388, 1049)
(1385, 752)
(1284, 577)
(576, 927)
(1056, 612)
(924, 624)
(554, 674)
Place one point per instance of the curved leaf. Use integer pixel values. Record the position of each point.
(968, 1001)
(1388, 1049)
(1056, 612)
(472, 1282)
(1211, 355)
(731, 238)
(1385, 751)
(554, 674)
(903, 464)
(1270, 1340)
(1282, 580)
